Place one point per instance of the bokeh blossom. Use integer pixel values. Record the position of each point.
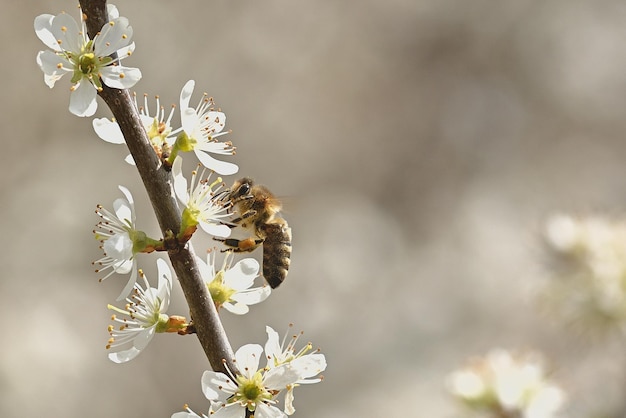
(507, 385)
(88, 60)
(587, 272)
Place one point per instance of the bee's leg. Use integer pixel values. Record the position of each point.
(234, 200)
(244, 216)
(240, 245)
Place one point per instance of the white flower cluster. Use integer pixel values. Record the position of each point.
(97, 61)
(201, 126)
(94, 64)
(588, 271)
(505, 384)
(256, 389)
(230, 286)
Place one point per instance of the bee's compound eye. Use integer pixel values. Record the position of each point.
(243, 190)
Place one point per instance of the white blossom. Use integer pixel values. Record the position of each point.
(116, 232)
(88, 60)
(231, 286)
(145, 316)
(200, 200)
(201, 126)
(157, 127)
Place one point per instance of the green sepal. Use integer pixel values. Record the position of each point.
(189, 219)
(220, 293)
(143, 243)
(184, 142)
(162, 324)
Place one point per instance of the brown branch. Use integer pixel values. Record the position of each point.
(157, 182)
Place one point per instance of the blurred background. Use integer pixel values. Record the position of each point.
(420, 146)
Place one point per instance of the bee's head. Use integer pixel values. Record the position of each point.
(241, 188)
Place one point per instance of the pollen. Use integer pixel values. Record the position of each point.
(63, 28)
(124, 36)
(59, 66)
(122, 75)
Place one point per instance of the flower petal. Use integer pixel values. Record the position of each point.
(129, 159)
(131, 282)
(120, 247)
(67, 33)
(185, 95)
(213, 384)
(124, 356)
(252, 296)
(143, 338)
(231, 411)
(247, 359)
(309, 365)
(241, 276)
(83, 99)
(215, 147)
(278, 378)
(53, 66)
(289, 398)
(112, 11)
(216, 230)
(123, 210)
(236, 308)
(165, 283)
(114, 35)
(126, 51)
(180, 182)
(205, 270)
(185, 415)
(120, 77)
(43, 29)
(131, 202)
(272, 346)
(221, 167)
(189, 121)
(108, 130)
(268, 411)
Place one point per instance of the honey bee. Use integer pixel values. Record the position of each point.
(258, 211)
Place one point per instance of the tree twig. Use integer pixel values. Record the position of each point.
(157, 182)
